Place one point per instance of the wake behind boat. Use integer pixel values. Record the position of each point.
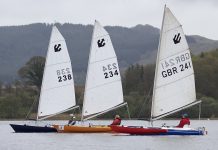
(174, 83)
(57, 91)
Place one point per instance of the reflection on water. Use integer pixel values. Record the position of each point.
(106, 141)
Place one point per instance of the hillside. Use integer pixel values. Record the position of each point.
(132, 45)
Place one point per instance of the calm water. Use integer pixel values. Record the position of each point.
(104, 141)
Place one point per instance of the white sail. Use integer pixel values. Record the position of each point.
(103, 89)
(174, 84)
(57, 90)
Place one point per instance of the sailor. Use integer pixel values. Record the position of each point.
(72, 120)
(117, 120)
(184, 121)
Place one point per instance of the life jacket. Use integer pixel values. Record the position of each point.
(183, 121)
(116, 121)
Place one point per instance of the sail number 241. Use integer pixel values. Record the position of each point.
(110, 70)
(176, 64)
(175, 70)
(64, 74)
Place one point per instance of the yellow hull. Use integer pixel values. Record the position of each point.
(82, 129)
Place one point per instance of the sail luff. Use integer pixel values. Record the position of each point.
(84, 101)
(157, 64)
(43, 77)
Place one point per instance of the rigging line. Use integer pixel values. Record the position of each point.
(199, 115)
(103, 84)
(146, 98)
(59, 63)
(103, 60)
(101, 36)
(173, 81)
(43, 90)
(174, 28)
(57, 41)
(175, 54)
(127, 107)
(34, 102)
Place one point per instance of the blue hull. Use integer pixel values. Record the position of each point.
(183, 132)
(32, 129)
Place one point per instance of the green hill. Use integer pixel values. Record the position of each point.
(132, 45)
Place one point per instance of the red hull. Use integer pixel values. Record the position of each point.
(136, 130)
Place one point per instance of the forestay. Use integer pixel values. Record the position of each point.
(174, 85)
(103, 89)
(57, 90)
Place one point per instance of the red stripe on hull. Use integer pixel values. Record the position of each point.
(135, 130)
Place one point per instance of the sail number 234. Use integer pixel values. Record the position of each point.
(64, 74)
(110, 70)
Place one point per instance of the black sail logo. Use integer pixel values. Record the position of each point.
(177, 38)
(57, 47)
(101, 43)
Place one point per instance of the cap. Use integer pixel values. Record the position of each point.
(185, 115)
(72, 115)
(117, 116)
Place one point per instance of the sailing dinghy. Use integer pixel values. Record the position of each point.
(57, 91)
(103, 89)
(174, 83)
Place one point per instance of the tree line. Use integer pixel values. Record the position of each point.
(138, 87)
(17, 98)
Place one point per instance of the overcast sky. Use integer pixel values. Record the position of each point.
(198, 17)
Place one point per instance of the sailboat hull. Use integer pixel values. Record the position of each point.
(32, 129)
(184, 131)
(82, 129)
(136, 130)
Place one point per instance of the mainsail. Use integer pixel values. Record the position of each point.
(57, 91)
(174, 84)
(103, 90)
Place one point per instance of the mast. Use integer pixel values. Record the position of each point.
(157, 65)
(87, 72)
(37, 117)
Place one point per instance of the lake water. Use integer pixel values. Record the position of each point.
(106, 141)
